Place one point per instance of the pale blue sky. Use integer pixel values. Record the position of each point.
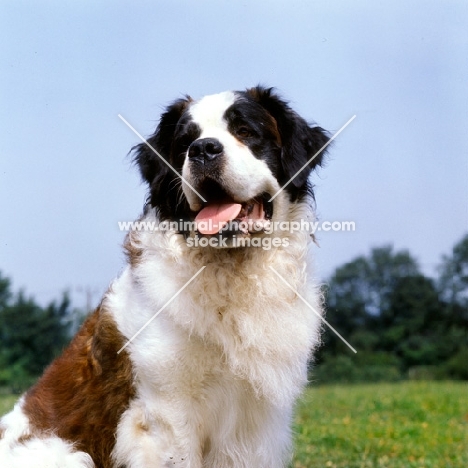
(400, 170)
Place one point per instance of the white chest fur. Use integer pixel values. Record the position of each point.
(218, 370)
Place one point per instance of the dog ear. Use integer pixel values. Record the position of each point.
(301, 142)
(152, 167)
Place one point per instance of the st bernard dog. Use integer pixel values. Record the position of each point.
(198, 351)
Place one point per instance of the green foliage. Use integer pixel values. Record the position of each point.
(359, 290)
(382, 303)
(401, 425)
(5, 293)
(30, 336)
(456, 367)
(345, 369)
(453, 280)
(15, 377)
(7, 402)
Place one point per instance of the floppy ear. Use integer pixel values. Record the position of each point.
(153, 169)
(301, 142)
(150, 164)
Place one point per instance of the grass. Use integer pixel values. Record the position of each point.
(402, 425)
(407, 424)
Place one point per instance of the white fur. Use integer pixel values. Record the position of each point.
(20, 448)
(244, 176)
(209, 111)
(219, 369)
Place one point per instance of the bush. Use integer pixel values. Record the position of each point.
(15, 378)
(456, 367)
(344, 369)
(424, 373)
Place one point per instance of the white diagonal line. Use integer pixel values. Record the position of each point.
(157, 154)
(312, 309)
(312, 158)
(161, 309)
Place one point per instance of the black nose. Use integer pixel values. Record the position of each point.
(205, 149)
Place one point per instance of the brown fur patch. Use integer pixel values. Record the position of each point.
(25, 438)
(82, 394)
(132, 248)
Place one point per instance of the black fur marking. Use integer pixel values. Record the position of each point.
(300, 141)
(164, 184)
(260, 119)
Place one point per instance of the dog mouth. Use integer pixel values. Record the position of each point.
(223, 214)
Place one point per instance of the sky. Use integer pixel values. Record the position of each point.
(399, 170)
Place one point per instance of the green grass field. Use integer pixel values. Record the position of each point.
(408, 424)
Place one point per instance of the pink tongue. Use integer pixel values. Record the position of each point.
(214, 217)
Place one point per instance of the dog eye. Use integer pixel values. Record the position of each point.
(244, 132)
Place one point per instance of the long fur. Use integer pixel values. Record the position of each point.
(211, 380)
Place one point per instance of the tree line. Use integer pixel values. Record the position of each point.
(31, 336)
(402, 323)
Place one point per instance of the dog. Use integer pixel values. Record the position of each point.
(199, 350)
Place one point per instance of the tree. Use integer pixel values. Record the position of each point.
(453, 281)
(33, 336)
(361, 290)
(30, 335)
(5, 293)
(453, 289)
(413, 324)
(397, 318)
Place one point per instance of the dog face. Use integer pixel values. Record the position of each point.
(234, 151)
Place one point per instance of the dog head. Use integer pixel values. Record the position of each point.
(224, 157)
